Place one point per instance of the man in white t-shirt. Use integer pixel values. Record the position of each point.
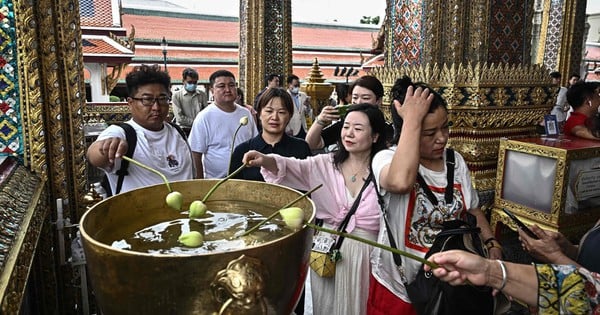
(211, 138)
(159, 145)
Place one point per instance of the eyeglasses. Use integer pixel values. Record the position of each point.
(149, 101)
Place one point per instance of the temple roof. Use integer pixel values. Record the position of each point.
(103, 49)
(101, 28)
(208, 43)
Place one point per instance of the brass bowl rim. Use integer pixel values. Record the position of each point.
(87, 238)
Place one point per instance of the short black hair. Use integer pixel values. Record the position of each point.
(371, 83)
(291, 78)
(144, 75)
(272, 93)
(575, 75)
(579, 92)
(189, 72)
(398, 93)
(270, 78)
(220, 73)
(555, 75)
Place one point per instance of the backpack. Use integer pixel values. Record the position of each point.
(131, 138)
(429, 295)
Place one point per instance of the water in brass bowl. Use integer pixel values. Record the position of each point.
(264, 277)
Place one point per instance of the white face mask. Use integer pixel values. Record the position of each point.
(295, 90)
(190, 87)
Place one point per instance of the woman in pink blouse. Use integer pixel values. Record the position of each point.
(343, 174)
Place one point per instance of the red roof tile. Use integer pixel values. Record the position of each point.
(198, 30)
(96, 13)
(98, 48)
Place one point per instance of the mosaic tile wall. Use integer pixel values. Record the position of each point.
(406, 26)
(509, 31)
(11, 133)
(552, 50)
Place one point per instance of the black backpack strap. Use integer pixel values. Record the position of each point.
(449, 192)
(181, 132)
(131, 138)
(450, 166)
(397, 258)
(352, 210)
(448, 197)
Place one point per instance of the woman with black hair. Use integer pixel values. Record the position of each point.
(326, 128)
(344, 174)
(416, 209)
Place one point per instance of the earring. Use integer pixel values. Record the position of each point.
(590, 103)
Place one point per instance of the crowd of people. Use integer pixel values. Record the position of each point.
(372, 173)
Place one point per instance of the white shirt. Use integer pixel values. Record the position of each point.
(164, 150)
(410, 217)
(212, 135)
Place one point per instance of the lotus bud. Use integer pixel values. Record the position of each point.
(244, 120)
(293, 217)
(175, 200)
(191, 239)
(197, 209)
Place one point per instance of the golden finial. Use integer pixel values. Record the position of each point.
(315, 75)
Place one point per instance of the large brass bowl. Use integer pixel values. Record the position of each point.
(264, 279)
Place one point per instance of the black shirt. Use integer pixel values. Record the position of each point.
(287, 146)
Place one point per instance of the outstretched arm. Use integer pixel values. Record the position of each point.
(102, 153)
(457, 267)
(257, 159)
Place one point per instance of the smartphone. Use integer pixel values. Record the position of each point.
(520, 224)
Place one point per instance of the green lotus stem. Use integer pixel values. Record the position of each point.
(222, 181)
(277, 212)
(164, 178)
(243, 122)
(378, 245)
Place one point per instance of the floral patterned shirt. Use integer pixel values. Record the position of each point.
(566, 289)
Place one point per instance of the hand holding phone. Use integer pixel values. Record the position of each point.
(520, 224)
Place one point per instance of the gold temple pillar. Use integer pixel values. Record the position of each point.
(477, 54)
(265, 43)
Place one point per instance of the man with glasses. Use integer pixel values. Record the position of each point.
(158, 144)
(211, 138)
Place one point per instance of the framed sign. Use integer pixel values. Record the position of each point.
(551, 125)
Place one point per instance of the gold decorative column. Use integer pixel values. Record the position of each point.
(316, 87)
(265, 42)
(51, 97)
